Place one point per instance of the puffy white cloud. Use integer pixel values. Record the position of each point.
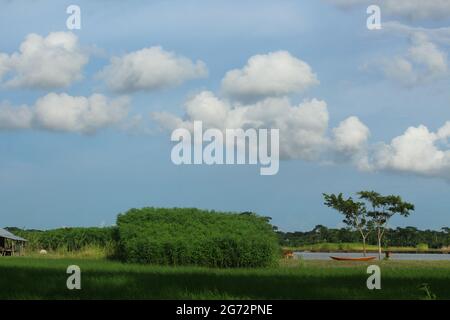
(150, 69)
(302, 127)
(351, 135)
(350, 142)
(409, 9)
(417, 151)
(268, 75)
(62, 112)
(260, 89)
(44, 63)
(304, 135)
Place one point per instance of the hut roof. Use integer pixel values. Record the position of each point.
(8, 235)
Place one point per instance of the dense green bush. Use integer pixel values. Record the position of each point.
(70, 239)
(195, 237)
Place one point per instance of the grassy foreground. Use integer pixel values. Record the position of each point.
(45, 278)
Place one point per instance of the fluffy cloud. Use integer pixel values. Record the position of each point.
(62, 112)
(150, 69)
(259, 100)
(303, 134)
(268, 75)
(409, 9)
(44, 63)
(417, 151)
(351, 135)
(302, 127)
(350, 141)
(424, 62)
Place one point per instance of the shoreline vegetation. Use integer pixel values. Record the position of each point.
(358, 248)
(98, 252)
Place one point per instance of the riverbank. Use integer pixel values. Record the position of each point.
(358, 247)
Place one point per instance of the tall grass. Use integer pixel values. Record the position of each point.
(195, 237)
(88, 252)
(67, 239)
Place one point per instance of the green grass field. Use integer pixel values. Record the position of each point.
(45, 278)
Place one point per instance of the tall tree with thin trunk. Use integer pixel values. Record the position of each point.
(355, 214)
(383, 209)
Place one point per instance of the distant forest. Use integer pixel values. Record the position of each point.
(401, 237)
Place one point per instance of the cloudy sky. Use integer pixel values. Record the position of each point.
(86, 115)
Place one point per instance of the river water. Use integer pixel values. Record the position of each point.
(394, 256)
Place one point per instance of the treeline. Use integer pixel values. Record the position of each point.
(401, 237)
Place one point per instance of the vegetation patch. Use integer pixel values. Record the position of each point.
(195, 237)
(67, 240)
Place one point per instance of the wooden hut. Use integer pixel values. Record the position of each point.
(10, 244)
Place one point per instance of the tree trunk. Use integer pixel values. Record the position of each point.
(364, 246)
(379, 245)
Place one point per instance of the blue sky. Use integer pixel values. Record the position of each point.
(59, 176)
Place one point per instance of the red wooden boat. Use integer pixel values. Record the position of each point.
(352, 259)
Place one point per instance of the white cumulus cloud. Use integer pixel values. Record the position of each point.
(350, 141)
(351, 135)
(65, 113)
(48, 62)
(268, 75)
(150, 69)
(418, 150)
(302, 127)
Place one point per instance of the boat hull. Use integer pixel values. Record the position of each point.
(352, 259)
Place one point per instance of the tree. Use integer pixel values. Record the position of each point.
(383, 209)
(355, 214)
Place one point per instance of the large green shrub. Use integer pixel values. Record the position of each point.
(195, 237)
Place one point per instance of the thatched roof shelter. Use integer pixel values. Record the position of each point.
(10, 243)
